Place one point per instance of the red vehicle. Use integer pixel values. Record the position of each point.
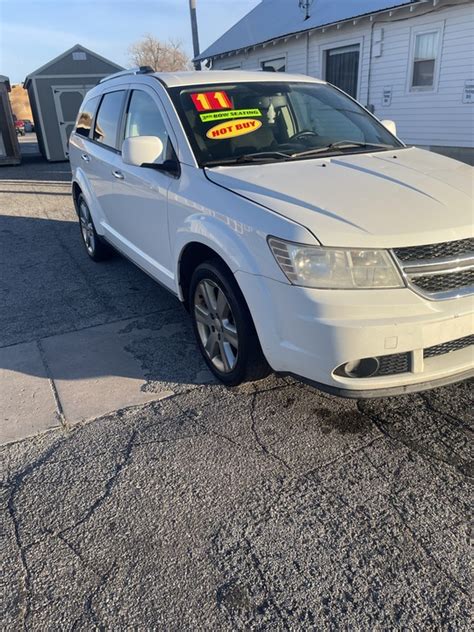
(20, 128)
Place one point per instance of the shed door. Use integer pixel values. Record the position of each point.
(342, 68)
(67, 100)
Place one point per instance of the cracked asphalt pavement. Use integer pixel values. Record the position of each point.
(269, 506)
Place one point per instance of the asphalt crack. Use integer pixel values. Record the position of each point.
(457, 463)
(406, 525)
(253, 426)
(100, 500)
(15, 486)
(457, 421)
(263, 580)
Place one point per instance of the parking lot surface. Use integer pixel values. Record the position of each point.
(269, 506)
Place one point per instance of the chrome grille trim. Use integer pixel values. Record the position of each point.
(448, 272)
(443, 249)
(429, 266)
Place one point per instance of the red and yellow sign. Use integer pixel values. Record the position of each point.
(230, 129)
(211, 101)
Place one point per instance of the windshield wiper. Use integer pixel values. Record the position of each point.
(258, 156)
(340, 144)
(266, 156)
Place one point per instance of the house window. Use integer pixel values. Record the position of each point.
(425, 57)
(342, 68)
(426, 47)
(274, 65)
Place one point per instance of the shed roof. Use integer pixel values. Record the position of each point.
(73, 49)
(272, 19)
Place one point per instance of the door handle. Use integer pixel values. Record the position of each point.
(85, 157)
(118, 174)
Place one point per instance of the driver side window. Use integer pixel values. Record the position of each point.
(143, 118)
(325, 118)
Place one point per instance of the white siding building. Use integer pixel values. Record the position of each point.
(411, 61)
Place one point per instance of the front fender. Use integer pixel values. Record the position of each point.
(203, 212)
(222, 234)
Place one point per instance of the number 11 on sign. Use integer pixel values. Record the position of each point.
(211, 101)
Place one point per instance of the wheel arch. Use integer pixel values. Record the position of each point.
(192, 254)
(76, 192)
(80, 185)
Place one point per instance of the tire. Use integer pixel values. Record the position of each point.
(96, 247)
(223, 326)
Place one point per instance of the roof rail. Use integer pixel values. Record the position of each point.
(139, 70)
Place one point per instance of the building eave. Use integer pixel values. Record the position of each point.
(320, 28)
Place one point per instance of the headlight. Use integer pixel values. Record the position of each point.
(335, 268)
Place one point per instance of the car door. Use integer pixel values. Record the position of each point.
(80, 144)
(140, 212)
(100, 158)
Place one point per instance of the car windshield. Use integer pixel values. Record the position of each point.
(236, 123)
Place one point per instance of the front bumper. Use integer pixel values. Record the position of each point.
(309, 333)
(387, 391)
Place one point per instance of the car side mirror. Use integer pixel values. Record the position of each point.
(146, 151)
(390, 125)
(139, 150)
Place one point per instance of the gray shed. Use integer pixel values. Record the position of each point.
(56, 91)
(9, 148)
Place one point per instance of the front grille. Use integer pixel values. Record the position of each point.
(441, 270)
(393, 364)
(447, 347)
(436, 251)
(433, 283)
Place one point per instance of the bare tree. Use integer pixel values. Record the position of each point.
(161, 56)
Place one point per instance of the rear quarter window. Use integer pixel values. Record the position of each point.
(86, 116)
(108, 119)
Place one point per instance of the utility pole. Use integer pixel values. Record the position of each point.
(194, 29)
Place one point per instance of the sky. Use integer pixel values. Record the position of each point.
(32, 32)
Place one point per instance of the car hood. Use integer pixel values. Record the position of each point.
(387, 199)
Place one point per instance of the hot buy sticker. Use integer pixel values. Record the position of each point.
(234, 128)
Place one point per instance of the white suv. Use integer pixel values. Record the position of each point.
(300, 233)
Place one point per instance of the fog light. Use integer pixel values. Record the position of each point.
(367, 367)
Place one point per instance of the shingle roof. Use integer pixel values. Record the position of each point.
(76, 47)
(276, 18)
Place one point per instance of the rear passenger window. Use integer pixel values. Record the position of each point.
(144, 118)
(86, 116)
(108, 119)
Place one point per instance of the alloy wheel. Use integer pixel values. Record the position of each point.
(216, 326)
(87, 228)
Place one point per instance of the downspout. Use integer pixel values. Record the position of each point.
(307, 52)
(369, 71)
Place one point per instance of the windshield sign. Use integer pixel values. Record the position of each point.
(268, 121)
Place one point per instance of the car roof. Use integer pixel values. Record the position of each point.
(198, 77)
